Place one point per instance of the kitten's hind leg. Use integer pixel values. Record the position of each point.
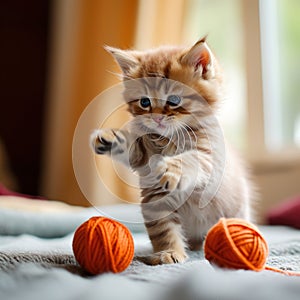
(167, 241)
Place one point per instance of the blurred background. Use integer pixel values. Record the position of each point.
(53, 65)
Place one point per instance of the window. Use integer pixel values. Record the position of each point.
(280, 41)
(222, 21)
(265, 35)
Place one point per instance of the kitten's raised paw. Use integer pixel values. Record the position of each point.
(168, 172)
(163, 257)
(107, 141)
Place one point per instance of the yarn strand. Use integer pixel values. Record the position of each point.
(285, 272)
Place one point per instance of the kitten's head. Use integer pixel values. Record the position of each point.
(170, 87)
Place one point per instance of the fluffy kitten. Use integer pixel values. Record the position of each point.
(188, 177)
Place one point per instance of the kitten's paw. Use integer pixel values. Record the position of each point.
(168, 172)
(107, 141)
(163, 257)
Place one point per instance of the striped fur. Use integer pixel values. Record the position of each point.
(188, 176)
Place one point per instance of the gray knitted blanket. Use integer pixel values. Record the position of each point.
(34, 267)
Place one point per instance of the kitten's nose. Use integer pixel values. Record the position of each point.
(158, 119)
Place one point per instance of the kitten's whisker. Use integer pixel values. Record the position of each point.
(187, 132)
(191, 130)
(161, 137)
(178, 148)
(170, 139)
(186, 127)
(183, 136)
(183, 127)
(165, 136)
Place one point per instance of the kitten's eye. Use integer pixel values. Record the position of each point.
(173, 100)
(145, 102)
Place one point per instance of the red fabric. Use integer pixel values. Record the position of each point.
(287, 213)
(6, 192)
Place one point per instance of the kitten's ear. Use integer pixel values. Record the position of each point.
(124, 58)
(201, 58)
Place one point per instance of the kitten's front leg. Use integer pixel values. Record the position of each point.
(183, 172)
(169, 173)
(167, 240)
(111, 142)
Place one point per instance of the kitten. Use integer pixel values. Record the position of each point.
(188, 176)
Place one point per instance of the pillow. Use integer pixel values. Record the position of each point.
(286, 213)
(6, 192)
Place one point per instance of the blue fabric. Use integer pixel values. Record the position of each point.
(50, 224)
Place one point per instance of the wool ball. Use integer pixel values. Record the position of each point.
(236, 244)
(103, 245)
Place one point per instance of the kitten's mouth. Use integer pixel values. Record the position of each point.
(159, 121)
(158, 125)
(161, 126)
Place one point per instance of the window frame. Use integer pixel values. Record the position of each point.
(258, 153)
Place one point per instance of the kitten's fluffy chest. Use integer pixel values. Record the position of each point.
(156, 144)
(177, 144)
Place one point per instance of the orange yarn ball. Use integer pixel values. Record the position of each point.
(236, 244)
(103, 245)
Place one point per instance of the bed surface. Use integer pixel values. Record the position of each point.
(36, 262)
